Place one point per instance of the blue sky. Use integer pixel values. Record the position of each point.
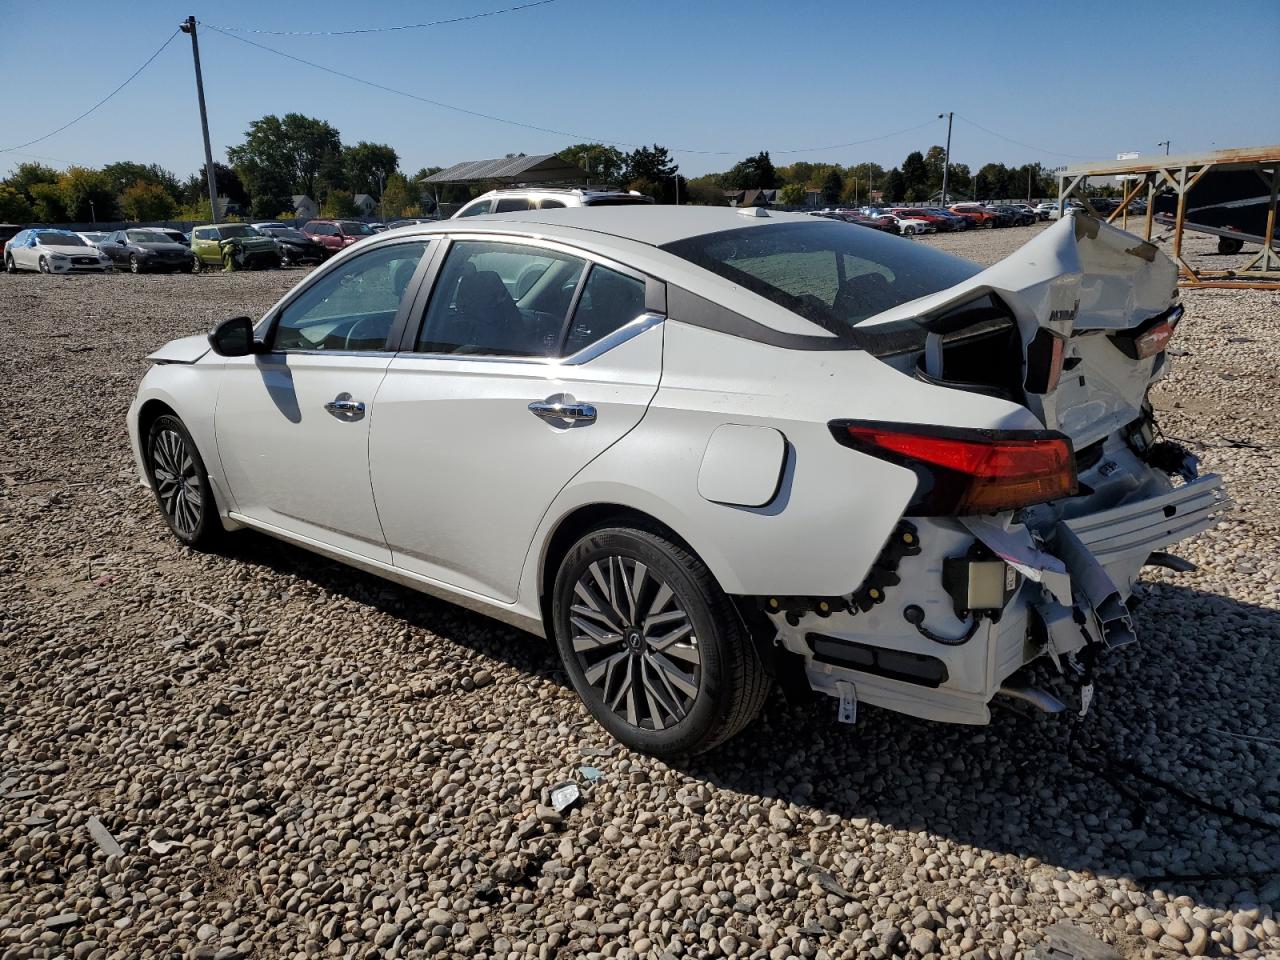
(704, 75)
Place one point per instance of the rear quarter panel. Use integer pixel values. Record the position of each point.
(834, 508)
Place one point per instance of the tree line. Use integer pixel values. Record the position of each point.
(281, 157)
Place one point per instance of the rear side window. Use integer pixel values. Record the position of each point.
(550, 203)
(477, 209)
(511, 204)
(833, 274)
(609, 300)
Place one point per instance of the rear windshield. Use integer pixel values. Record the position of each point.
(833, 274)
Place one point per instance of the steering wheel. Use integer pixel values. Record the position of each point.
(351, 333)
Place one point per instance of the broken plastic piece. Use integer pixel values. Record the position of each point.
(590, 773)
(848, 702)
(564, 795)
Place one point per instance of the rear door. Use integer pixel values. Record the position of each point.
(293, 424)
(526, 361)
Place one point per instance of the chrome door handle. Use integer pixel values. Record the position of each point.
(564, 410)
(343, 406)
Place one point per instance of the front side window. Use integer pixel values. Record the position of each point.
(609, 300)
(828, 272)
(353, 307)
(500, 299)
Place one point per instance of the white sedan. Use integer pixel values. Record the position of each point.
(53, 251)
(908, 226)
(706, 450)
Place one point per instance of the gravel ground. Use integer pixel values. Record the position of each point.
(262, 754)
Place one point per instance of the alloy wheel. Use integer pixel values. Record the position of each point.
(177, 481)
(44, 265)
(635, 643)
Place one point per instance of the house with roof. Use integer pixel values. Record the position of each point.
(365, 204)
(304, 208)
(751, 198)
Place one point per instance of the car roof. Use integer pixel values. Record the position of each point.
(650, 224)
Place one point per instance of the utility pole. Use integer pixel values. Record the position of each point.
(1165, 144)
(946, 158)
(189, 26)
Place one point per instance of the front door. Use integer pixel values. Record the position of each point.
(293, 423)
(510, 390)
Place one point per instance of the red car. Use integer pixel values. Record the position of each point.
(940, 223)
(335, 235)
(7, 232)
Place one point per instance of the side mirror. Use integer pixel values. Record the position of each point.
(234, 338)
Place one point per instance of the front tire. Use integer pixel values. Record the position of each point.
(134, 265)
(181, 484)
(197, 265)
(652, 645)
(9, 265)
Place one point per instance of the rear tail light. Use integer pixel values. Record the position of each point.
(1151, 337)
(963, 471)
(1044, 362)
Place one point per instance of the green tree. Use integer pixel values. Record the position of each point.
(125, 173)
(47, 205)
(895, 186)
(603, 163)
(14, 207)
(367, 166)
(147, 201)
(401, 198)
(915, 175)
(27, 175)
(793, 195)
(934, 161)
(832, 187)
(339, 204)
(652, 171)
(753, 173)
(705, 191)
(292, 150)
(226, 181)
(87, 194)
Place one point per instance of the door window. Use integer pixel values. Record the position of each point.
(353, 307)
(500, 299)
(609, 300)
(510, 204)
(476, 209)
(551, 204)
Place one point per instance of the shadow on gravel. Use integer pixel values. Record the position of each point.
(1179, 705)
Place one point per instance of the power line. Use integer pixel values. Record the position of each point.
(532, 126)
(76, 120)
(1001, 136)
(402, 26)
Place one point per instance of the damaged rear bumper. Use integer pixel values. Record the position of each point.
(1068, 583)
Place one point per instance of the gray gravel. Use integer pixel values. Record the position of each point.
(262, 754)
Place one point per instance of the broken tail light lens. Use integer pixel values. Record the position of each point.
(1151, 337)
(962, 471)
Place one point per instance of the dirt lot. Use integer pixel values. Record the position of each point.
(298, 760)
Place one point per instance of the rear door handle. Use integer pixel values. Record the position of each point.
(343, 407)
(563, 410)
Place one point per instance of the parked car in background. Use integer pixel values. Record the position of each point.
(1071, 207)
(702, 449)
(92, 237)
(296, 247)
(7, 232)
(145, 250)
(53, 251)
(335, 235)
(271, 225)
(1044, 209)
(512, 199)
(957, 222)
(907, 226)
(977, 214)
(232, 246)
(410, 221)
(940, 223)
(177, 236)
(1028, 209)
(1016, 216)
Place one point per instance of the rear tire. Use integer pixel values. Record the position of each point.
(1229, 245)
(197, 265)
(652, 645)
(181, 484)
